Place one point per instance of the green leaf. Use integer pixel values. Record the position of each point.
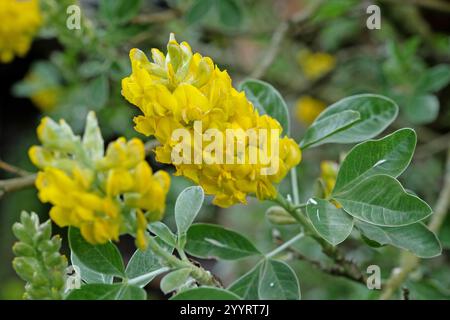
(332, 223)
(208, 240)
(434, 79)
(89, 275)
(415, 238)
(175, 279)
(247, 286)
(99, 291)
(229, 13)
(278, 281)
(163, 232)
(381, 200)
(187, 206)
(104, 258)
(321, 131)
(421, 109)
(205, 293)
(119, 11)
(267, 100)
(92, 138)
(376, 113)
(198, 10)
(390, 155)
(144, 266)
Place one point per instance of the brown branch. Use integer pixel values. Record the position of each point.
(13, 169)
(15, 184)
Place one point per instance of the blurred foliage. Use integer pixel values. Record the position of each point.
(69, 72)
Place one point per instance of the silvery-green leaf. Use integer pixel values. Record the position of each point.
(414, 237)
(381, 200)
(332, 223)
(390, 155)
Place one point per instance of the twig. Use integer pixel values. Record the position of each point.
(278, 36)
(198, 273)
(284, 246)
(410, 262)
(13, 169)
(16, 184)
(335, 270)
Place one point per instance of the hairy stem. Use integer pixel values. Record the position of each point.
(284, 246)
(199, 274)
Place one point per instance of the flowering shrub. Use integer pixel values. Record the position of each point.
(206, 150)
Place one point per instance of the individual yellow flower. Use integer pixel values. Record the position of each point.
(20, 21)
(104, 195)
(307, 109)
(182, 89)
(315, 64)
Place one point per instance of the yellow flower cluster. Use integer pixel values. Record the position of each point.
(315, 64)
(20, 21)
(101, 194)
(308, 109)
(180, 88)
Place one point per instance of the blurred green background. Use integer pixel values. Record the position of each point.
(321, 56)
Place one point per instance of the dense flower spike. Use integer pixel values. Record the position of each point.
(20, 21)
(180, 89)
(38, 260)
(101, 194)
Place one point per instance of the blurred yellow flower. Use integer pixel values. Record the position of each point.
(20, 21)
(101, 194)
(315, 64)
(181, 89)
(307, 109)
(46, 100)
(328, 175)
